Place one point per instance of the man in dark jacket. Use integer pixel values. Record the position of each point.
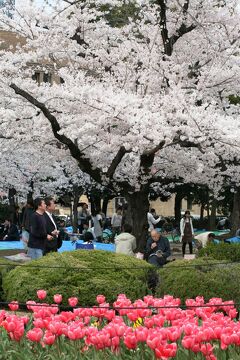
(55, 242)
(157, 249)
(10, 231)
(38, 232)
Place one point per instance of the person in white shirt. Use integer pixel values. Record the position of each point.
(151, 219)
(52, 242)
(202, 240)
(126, 242)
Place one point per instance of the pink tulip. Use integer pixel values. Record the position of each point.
(49, 338)
(57, 298)
(41, 294)
(35, 335)
(13, 305)
(73, 301)
(101, 299)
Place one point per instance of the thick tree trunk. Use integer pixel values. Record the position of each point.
(136, 215)
(212, 219)
(178, 207)
(202, 212)
(11, 198)
(30, 193)
(95, 204)
(235, 215)
(105, 205)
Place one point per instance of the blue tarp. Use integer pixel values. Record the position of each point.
(67, 246)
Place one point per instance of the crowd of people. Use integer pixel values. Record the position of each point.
(42, 233)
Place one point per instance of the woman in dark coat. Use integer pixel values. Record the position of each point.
(187, 233)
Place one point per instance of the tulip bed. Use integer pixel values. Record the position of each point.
(152, 328)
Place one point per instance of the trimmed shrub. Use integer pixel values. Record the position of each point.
(182, 280)
(101, 273)
(223, 251)
(5, 267)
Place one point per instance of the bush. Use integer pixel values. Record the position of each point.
(101, 273)
(181, 280)
(222, 251)
(5, 267)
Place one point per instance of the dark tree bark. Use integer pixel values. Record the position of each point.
(178, 207)
(77, 192)
(136, 215)
(212, 219)
(201, 212)
(105, 205)
(12, 204)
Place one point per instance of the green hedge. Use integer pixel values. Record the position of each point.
(223, 251)
(206, 279)
(102, 273)
(5, 267)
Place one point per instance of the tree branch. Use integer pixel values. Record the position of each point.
(83, 162)
(116, 161)
(168, 42)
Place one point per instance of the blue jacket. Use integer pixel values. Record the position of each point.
(162, 244)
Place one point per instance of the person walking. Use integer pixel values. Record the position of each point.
(126, 242)
(187, 233)
(53, 242)
(38, 232)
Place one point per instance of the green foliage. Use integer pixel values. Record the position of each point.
(223, 251)
(234, 99)
(5, 267)
(118, 16)
(205, 279)
(101, 273)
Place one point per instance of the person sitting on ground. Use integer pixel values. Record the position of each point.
(202, 240)
(88, 237)
(126, 242)
(63, 235)
(10, 231)
(152, 221)
(167, 226)
(157, 249)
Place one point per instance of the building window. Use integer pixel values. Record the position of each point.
(37, 76)
(47, 78)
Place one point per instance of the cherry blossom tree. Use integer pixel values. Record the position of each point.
(139, 105)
